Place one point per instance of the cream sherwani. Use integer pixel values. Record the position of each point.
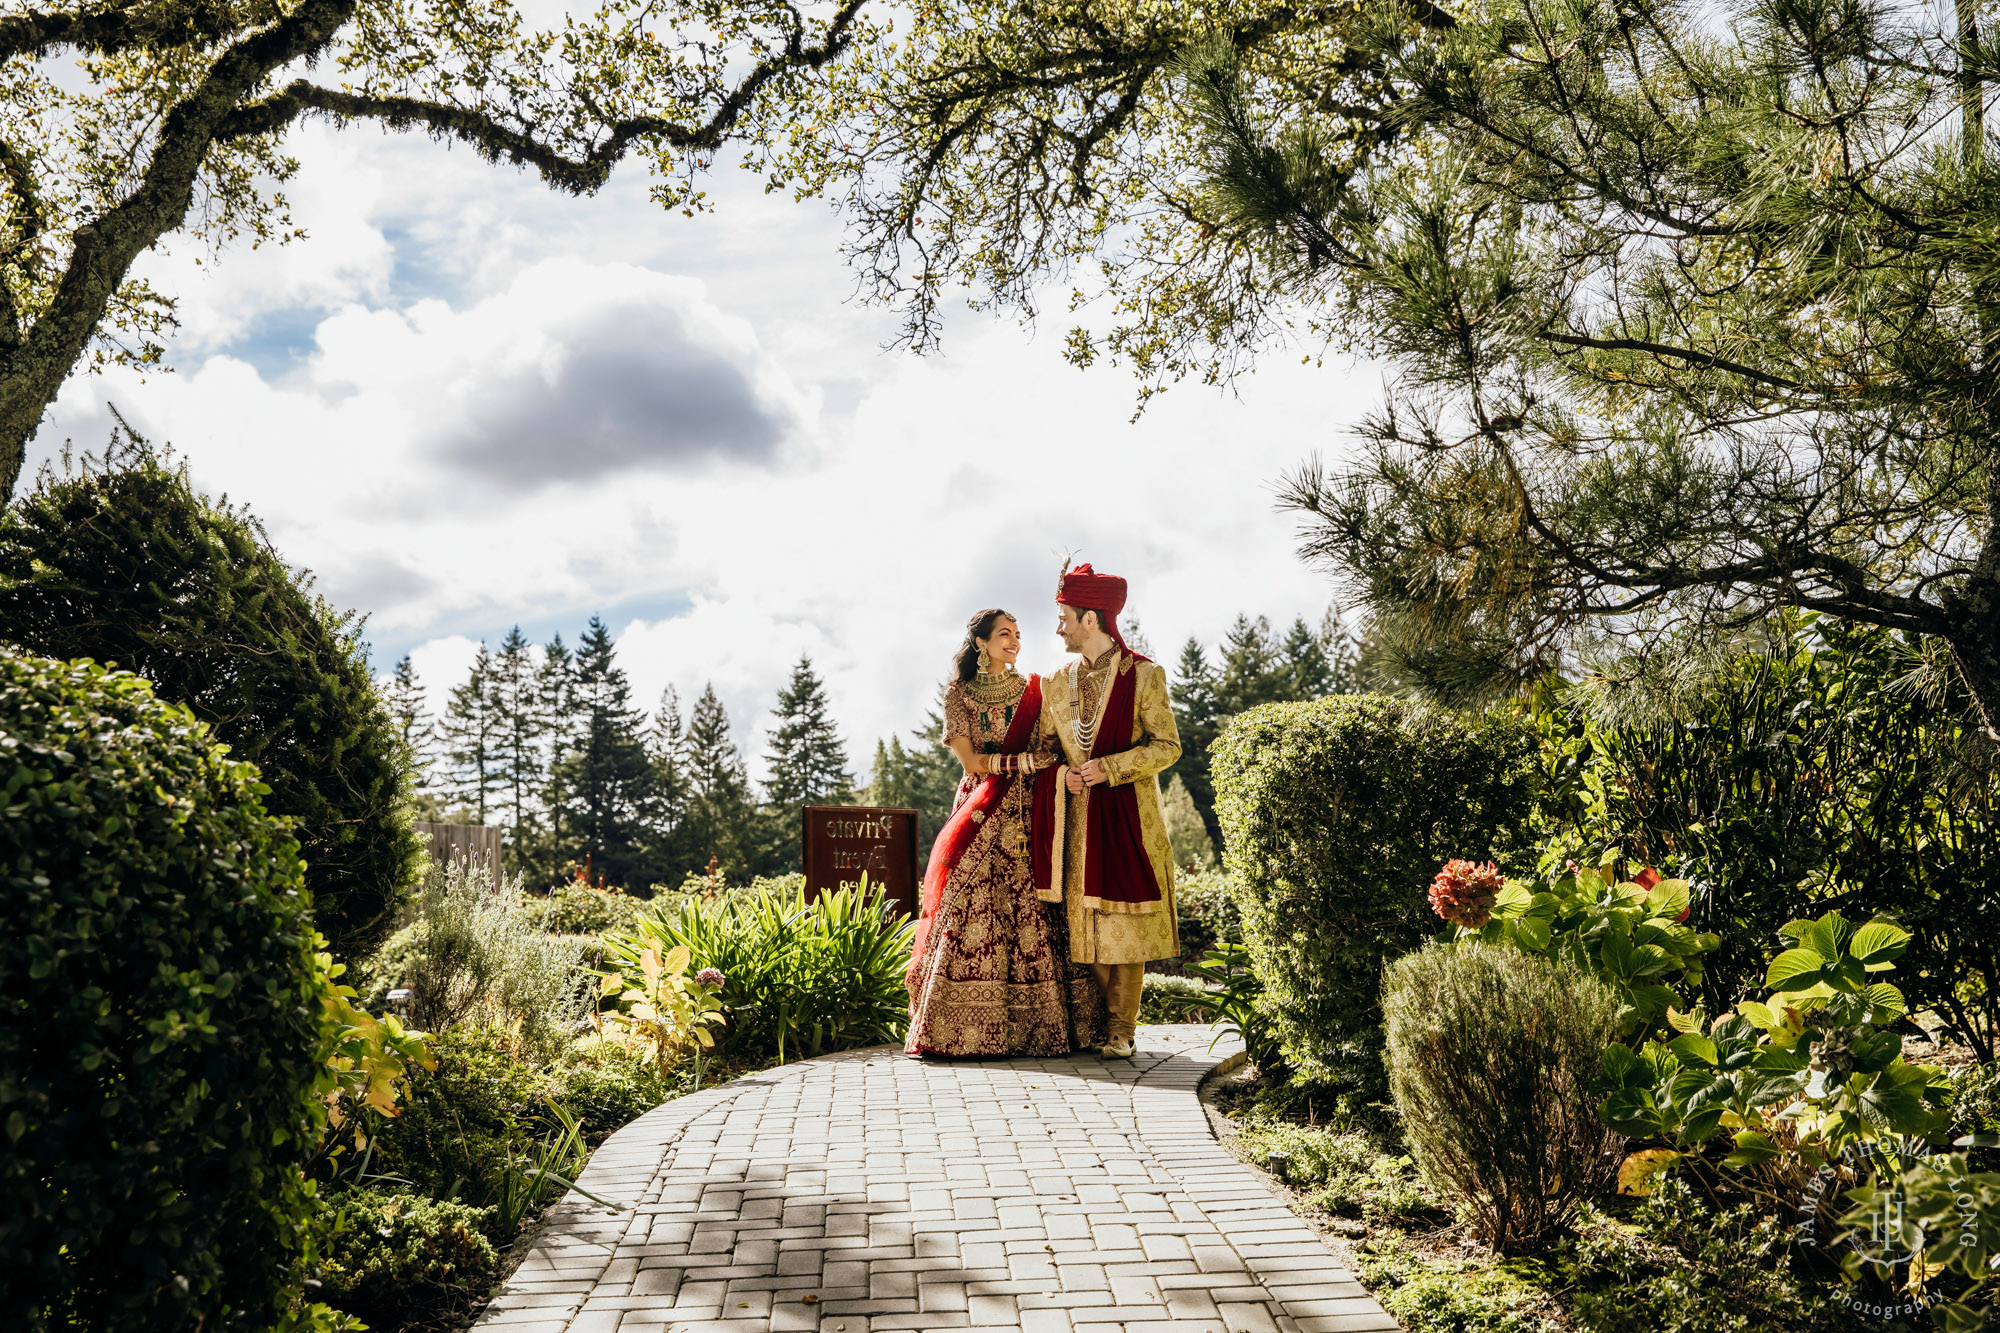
(1110, 933)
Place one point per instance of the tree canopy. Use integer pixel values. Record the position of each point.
(172, 118)
(1692, 309)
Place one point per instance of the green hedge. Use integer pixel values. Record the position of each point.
(1335, 814)
(160, 1017)
(127, 565)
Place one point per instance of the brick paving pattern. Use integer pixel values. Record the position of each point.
(869, 1192)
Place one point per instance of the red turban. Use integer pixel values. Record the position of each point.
(1087, 590)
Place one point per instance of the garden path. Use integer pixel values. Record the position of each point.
(869, 1192)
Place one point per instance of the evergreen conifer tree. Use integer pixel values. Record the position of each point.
(470, 737)
(556, 698)
(609, 784)
(513, 682)
(1186, 833)
(403, 696)
(1252, 670)
(721, 813)
(666, 744)
(807, 761)
(922, 776)
(1197, 717)
(1306, 664)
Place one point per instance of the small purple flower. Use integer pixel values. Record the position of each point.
(709, 976)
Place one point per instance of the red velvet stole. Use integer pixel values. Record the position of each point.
(1116, 867)
(967, 821)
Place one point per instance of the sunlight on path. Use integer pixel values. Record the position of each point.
(868, 1192)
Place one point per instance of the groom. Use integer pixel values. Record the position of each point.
(1101, 839)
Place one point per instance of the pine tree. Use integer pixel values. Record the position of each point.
(1187, 834)
(556, 698)
(1343, 655)
(403, 696)
(807, 763)
(922, 776)
(1197, 718)
(470, 738)
(1252, 672)
(721, 813)
(666, 745)
(520, 725)
(1308, 670)
(609, 784)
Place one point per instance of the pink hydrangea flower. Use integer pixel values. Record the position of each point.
(1463, 892)
(709, 976)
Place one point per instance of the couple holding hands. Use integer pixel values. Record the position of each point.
(1051, 884)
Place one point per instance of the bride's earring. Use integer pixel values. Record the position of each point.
(985, 662)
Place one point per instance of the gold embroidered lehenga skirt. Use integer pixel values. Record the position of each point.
(995, 977)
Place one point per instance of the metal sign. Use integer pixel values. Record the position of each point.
(844, 841)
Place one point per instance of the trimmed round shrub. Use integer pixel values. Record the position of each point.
(160, 1016)
(392, 1258)
(1336, 813)
(127, 565)
(1490, 1053)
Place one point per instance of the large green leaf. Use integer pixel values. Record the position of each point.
(1531, 932)
(1828, 936)
(1692, 1047)
(1668, 898)
(1753, 1146)
(1878, 944)
(1795, 969)
(1884, 996)
(1615, 954)
(1632, 1111)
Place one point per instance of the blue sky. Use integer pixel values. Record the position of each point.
(466, 402)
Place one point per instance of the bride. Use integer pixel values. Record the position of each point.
(991, 973)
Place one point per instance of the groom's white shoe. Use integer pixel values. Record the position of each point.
(1116, 1050)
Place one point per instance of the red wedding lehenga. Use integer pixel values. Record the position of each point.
(991, 973)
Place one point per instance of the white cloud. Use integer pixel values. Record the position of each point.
(608, 410)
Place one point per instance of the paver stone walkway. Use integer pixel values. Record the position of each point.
(869, 1192)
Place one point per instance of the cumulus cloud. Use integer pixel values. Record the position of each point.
(578, 373)
(572, 429)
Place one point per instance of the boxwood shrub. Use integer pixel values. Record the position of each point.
(396, 1258)
(127, 564)
(1335, 814)
(160, 1017)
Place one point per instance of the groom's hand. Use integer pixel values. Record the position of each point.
(1074, 781)
(1093, 773)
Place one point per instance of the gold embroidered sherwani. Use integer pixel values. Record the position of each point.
(1111, 932)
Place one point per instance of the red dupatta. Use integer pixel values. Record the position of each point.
(967, 821)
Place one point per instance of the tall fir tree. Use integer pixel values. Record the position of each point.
(609, 786)
(807, 762)
(556, 697)
(1252, 671)
(666, 745)
(922, 776)
(1198, 718)
(1305, 662)
(520, 746)
(403, 696)
(470, 740)
(721, 813)
(1193, 848)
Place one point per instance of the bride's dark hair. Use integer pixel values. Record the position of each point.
(966, 664)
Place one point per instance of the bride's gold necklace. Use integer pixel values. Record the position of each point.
(995, 687)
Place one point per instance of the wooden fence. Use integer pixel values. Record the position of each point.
(475, 843)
